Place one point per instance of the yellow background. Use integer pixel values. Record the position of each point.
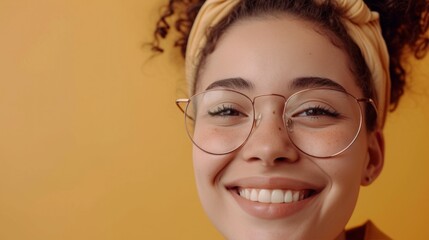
(93, 147)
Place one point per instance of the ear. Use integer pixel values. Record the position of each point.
(375, 158)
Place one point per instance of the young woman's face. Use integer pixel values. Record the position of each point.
(270, 55)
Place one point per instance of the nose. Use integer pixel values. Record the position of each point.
(269, 142)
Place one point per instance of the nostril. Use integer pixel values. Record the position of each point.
(277, 161)
(283, 159)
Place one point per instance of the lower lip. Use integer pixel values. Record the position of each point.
(271, 210)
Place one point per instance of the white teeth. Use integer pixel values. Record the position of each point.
(277, 196)
(288, 196)
(254, 195)
(272, 195)
(295, 196)
(264, 196)
(246, 193)
(242, 192)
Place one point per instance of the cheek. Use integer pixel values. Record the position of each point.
(348, 167)
(345, 181)
(203, 172)
(208, 169)
(344, 173)
(204, 166)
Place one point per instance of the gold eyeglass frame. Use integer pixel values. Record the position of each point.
(183, 101)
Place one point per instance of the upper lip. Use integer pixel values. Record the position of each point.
(273, 183)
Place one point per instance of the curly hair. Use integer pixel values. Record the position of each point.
(404, 26)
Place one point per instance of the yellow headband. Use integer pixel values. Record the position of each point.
(361, 23)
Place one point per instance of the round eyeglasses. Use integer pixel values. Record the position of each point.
(321, 122)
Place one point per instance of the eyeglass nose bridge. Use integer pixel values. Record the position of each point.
(258, 114)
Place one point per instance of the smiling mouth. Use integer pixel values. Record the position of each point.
(274, 195)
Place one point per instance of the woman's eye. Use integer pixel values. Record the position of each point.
(225, 111)
(318, 111)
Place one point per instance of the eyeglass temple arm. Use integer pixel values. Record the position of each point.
(370, 101)
(181, 101)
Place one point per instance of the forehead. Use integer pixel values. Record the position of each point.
(274, 51)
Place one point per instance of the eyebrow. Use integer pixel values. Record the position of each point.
(234, 83)
(296, 84)
(313, 82)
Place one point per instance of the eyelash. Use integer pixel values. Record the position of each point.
(224, 111)
(320, 111)
(316, 111)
